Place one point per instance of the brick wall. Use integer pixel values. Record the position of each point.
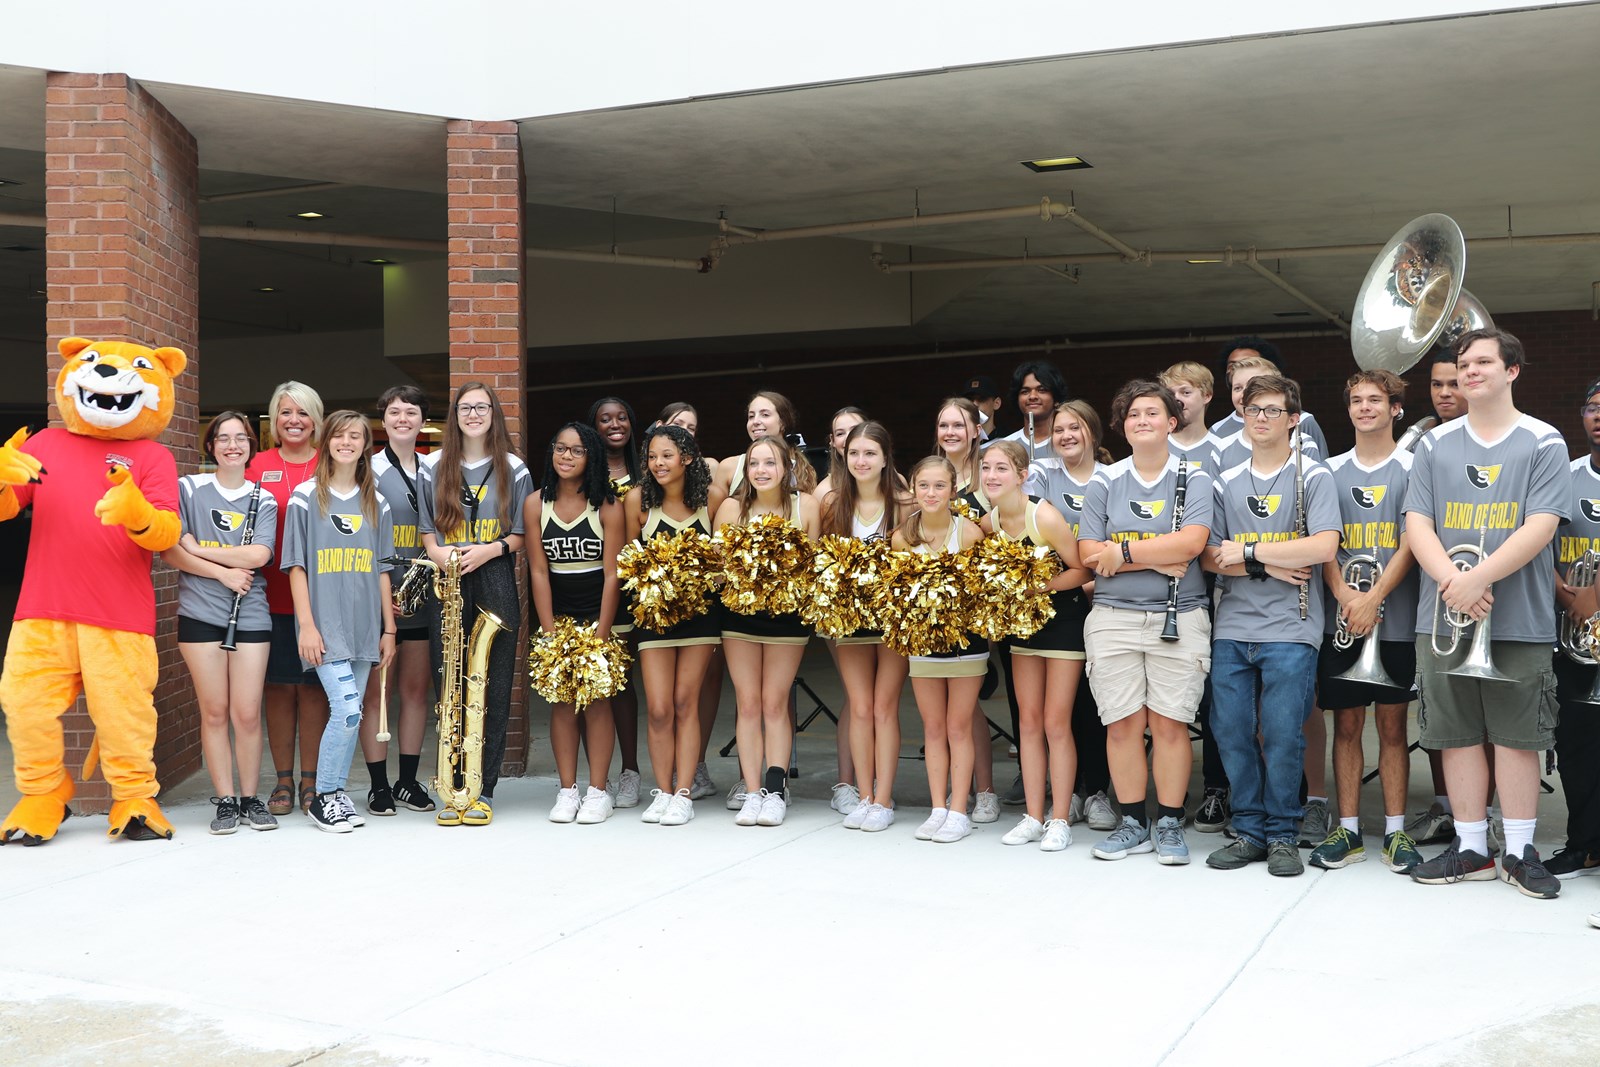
(484, 188)
(1563, 349)
(122, 259)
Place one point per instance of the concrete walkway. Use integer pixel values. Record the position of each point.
(709, 944)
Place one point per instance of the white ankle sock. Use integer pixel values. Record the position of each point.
(1353, 825)
(1519, 833)
(1393, 824)
(1474, 836)
(1309, 799)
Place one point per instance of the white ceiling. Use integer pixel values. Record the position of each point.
(1330, 137)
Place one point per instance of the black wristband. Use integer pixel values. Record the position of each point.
(1127, 551)
(1256, 570)
(504, 545)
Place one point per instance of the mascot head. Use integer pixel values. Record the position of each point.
(115, 390)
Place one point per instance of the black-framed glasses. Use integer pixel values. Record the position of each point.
(473, 409)
(1255, 411)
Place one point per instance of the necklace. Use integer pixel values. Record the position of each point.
(296, 473)
(1270, 485)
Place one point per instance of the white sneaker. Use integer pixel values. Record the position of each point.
(736, 795)
(658, 806)
(773, 809)
(846, 798)
(931, 826)
(1594, 919)
(353, 817)
(680, 809)
(702, 786)
(749, 809)
(628, 790)
(1057, 836)
(1097, 811)
(956, 826)
(566, 806)
(879, 817)
(857, 814)
(986, 808)
(1075, 810)
(1025, 832)
(596, 807)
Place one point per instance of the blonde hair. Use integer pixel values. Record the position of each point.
(1250, 363)
(305, 398)
(974, 417)
(366, 485)
(1085, 413)
(1191, 373)
(1014, 452)
(911, 529)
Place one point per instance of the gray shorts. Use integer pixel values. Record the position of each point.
(1462, 712)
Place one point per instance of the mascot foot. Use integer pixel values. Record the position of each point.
(35, 820)
(139, 820)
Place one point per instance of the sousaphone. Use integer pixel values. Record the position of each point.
(1413, 299)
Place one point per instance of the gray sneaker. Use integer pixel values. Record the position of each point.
(1283, 860)
(1171, 848)
(1236, 854)
(1129, 839)
(1315, 824)
(227, 820)
(1097, 812)
(1015, 796)
(1435, 824)
(254, 814)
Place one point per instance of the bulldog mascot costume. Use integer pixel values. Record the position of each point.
(104, 496)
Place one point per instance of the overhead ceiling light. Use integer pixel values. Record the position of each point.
(266, 289)
(1040, 166)
(309, 215)
(378, 262)
(1204, 261)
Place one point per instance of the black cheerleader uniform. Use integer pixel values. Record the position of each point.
(575, 552)
(764, 628)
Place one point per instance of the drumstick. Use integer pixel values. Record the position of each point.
(383, 704)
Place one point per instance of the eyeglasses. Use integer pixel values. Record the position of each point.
(1255, 411)
(231, 439)
(1590, 410)
(575, 451)
(472, 409)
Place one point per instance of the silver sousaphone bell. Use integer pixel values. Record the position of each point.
(1361, 572)
(1412, 298)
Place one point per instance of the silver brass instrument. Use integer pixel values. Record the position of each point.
(1300, 511)
(1412, 297)
(463, 677)
(1413, 436)
(412, 588)
(1361, 573)
(1478, 663)
(1581, 640)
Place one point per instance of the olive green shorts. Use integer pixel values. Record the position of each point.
(1462, 712)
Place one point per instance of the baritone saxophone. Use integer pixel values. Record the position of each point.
(463, 676)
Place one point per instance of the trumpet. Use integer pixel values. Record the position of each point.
(1578, 640)
(1368, 668)
(1479, 663)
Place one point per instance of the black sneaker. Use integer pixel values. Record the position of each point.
(1529, 875)
(380, 801)
(327, 814)
(255, 815)
(227, 820)
(1212, 815)
(411, 795)
(1573, 863)
(1455, 864)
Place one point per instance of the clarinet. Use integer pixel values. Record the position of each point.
(228, 643)
(1169, 631)
(1300, 512)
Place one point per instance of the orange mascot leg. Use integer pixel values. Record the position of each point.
(119, 671)
(39, 684)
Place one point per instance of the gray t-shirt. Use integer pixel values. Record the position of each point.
(216, 517)
(1252, 507)
(1036, 450)
(1121, 506)
(478, 479)
(399, 489)
(1202, 455)
(1371, 500)
(1049, 480)
(1464, 483)
(1235, 448)
(341, 553)
(1233, 422)
(1582, 532)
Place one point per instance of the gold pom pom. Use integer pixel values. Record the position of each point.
(766, 566)
(573, 665)
(846, 574)
(1003, 580)
(961, 508)
(922, 602)
(670, 578)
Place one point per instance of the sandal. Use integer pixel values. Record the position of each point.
(448, 816)
(479, 814)
(281, 799)
(308, 789)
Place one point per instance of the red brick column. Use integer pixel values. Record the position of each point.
(122, 252)
(488, 335)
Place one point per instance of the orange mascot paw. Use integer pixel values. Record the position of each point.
(35, 820)
(16, 466)
(139, 820)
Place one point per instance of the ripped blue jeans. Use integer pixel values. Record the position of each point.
(345, 682)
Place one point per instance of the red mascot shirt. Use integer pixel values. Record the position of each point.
(79, 570)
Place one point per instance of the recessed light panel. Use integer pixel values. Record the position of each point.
(309, 215)
(1041, 166)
